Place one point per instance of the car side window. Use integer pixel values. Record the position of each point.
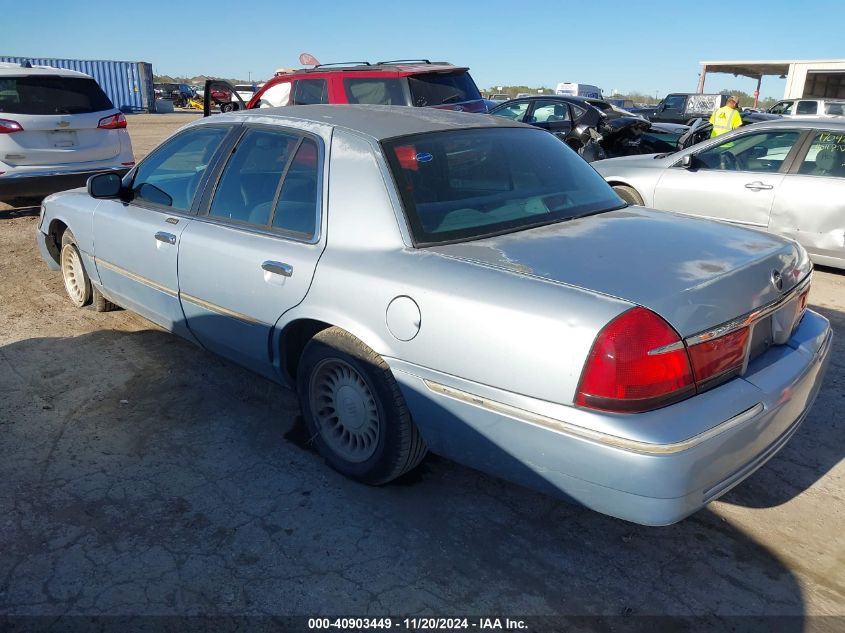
(826, 156)
(276, 95)
(298, 205)
(807, 107)
(515, 111)
(550, 111)
(577, 112)
(252, 176)
(784, 107)
(760, 152)
(673, 103)
(171, 174)
(308, 91)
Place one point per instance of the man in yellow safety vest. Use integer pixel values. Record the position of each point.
(726, 118)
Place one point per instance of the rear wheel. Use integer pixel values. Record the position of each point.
(354, 411)
(628, 194)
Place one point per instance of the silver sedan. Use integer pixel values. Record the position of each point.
(786, 177)
(433, 280)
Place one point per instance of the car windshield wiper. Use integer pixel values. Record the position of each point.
(452, 98)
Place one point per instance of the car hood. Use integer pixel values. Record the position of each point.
(696, 274)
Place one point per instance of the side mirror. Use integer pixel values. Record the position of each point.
(104, 186)
(688, 161)
(661, 107)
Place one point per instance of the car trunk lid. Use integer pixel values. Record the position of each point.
(696, 274)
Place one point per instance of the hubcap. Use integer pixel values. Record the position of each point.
(73, 274)
(344, 409)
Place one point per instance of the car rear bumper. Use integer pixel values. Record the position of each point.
(39, 183)
(623, 476)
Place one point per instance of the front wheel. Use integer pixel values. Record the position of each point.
(77, 283)
(354, 411)
(628, 194)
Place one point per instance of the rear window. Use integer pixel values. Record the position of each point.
(433, 89)
(375, 91)
(52, 95)
(834, 108)
(467, 184)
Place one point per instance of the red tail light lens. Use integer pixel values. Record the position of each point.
(637, 363)
(717, 359)
(8, 127)
(113, 122)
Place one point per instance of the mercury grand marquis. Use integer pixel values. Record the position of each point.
(461, 284)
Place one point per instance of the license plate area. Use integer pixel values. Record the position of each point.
(63, 139)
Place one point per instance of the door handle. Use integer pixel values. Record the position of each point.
(278, 268)
(167, 238)
(757, 186)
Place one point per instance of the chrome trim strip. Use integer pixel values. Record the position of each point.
(751, 317)
(566, 428)
(141, 280)
(671, 347)
(63, 172)
(213, 307)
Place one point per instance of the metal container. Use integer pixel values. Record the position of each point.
(129, 85)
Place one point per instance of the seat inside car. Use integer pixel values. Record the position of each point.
(830, 162)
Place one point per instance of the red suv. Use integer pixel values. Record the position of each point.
(400, 82)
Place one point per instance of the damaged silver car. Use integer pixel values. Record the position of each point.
(785, 177)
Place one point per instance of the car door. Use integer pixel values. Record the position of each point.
(514, 110)
(671, 109)
(809, 206)
(250, 254)
(734, 178)
(136, 240)
(551, 115)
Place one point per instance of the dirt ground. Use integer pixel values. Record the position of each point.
(142, 475)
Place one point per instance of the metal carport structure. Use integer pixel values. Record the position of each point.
(823, 78)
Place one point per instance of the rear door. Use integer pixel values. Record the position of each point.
(809, 207)
(250, 254)
(136, 241)
(735, 179)
(60, 118)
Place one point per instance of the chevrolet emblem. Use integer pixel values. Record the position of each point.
(63, 123)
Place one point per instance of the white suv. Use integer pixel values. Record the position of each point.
(797, 108)
(57, 128)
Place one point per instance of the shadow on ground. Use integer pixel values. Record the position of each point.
(143, 475)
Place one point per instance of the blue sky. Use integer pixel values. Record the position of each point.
(649, 46)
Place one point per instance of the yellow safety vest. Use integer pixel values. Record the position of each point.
(724, 120)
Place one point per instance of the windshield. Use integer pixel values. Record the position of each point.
(467, 184)
(40, 94)
(433, 89)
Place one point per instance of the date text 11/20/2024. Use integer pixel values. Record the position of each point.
(417, 624)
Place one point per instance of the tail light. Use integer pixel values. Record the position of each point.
(637, 363)
(8, 127)
(718, 359)
(113, 122)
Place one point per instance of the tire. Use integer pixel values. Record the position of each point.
(628, 194)
(372, 439)
(227, 107)
(77, 282)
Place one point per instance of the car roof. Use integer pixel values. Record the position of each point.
(802, 124)
(18, 70)
(376, 121)
(400, 67)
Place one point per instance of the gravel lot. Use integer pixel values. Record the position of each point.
(142, 475)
